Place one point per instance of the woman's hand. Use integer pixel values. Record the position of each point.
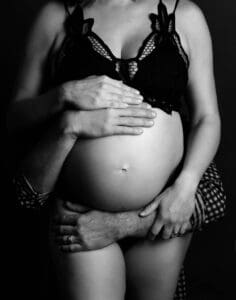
(174, 208)
(106, 122)
(96, 92)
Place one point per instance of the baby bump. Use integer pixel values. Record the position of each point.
(119, 173)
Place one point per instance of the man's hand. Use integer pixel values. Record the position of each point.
(77, 229)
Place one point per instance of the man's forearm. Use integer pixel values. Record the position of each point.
(43, 164)
(131, 224)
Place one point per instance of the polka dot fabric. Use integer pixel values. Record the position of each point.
(210, 199)
(210, 206)
(26, 196)
(180, 293)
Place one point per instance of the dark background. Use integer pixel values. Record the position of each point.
(211, 260)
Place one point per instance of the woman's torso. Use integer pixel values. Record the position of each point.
(126, 172)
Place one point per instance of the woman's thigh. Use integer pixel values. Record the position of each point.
(91, 275)
(153, 268)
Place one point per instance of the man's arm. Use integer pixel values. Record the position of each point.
(96, 229)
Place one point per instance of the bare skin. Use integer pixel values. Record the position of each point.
(205, 126)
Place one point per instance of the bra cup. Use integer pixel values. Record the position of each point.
(162, 74)
(74, 66)
(159, 71)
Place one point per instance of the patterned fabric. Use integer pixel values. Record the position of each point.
(180, 293)
(210, 199)
(26, 196)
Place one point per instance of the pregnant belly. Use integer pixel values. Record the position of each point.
(119, 173)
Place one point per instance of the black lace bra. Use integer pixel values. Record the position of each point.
(159, 70)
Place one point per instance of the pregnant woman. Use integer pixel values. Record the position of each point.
(117, 72)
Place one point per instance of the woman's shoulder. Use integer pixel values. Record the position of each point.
(190, 14)
(48, 23)
(193, 23)
(51, 17)
(45, 29)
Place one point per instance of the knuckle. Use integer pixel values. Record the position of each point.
(104, 78)
(103, 85)
(97, 93)
(100, 85)
(95, 100)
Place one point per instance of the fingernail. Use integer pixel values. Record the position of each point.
(140, 130)
(151, 236)
(124, 105)
(142, 214)
(153, 114)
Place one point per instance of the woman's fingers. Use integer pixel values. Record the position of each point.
(167, 232)
(117, 83)
(145, 105)
(155, 229)
(115, 99)
(117, 87)
(115, 92)
(121, 91)
(185, 227)
(176, 229)
(75, 207)
(150, 208)
(136, 112)
(125, 130)
(135, 122)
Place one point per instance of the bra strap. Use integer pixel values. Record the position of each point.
(176, 4)
(66, 6)
(74, 21)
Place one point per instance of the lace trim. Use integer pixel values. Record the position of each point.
(150, 46)
(180, 48)
(168, 107)
(98, 47)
